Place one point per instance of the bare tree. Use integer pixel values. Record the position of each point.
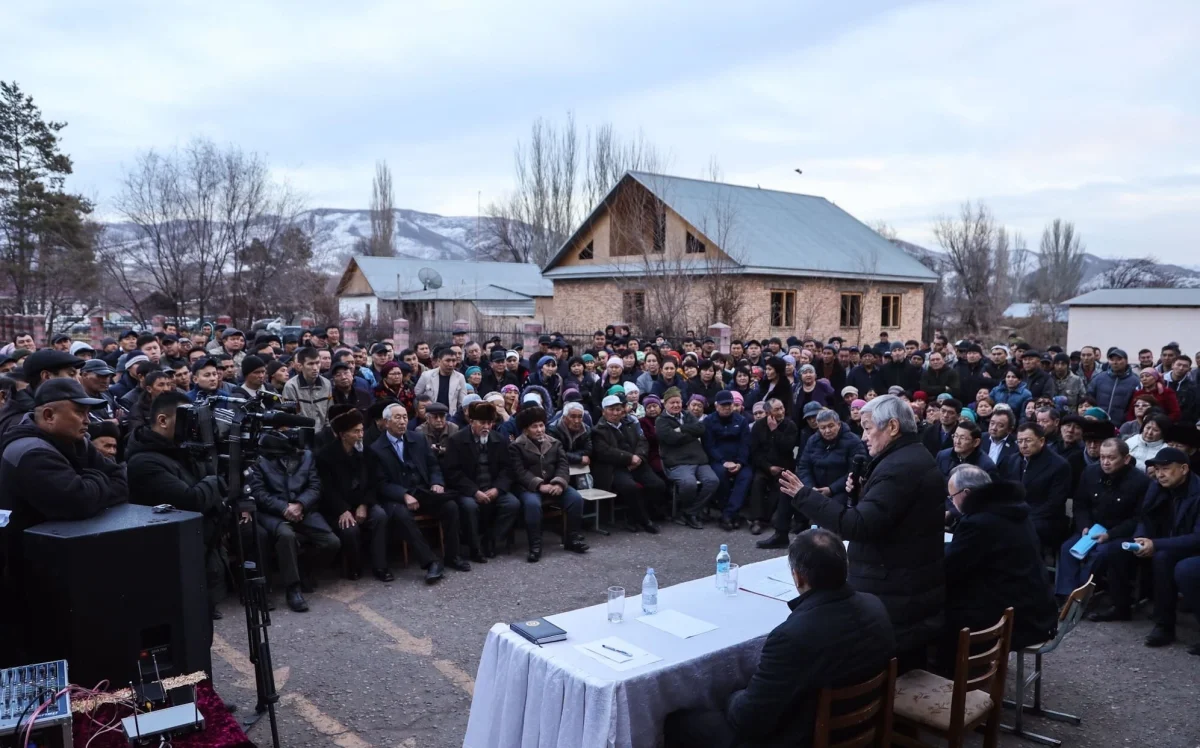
(1138, 272)
(609, 156)
(383, 213)
(932, 300)
(1060, 264)
(884, 229)
(978, 253)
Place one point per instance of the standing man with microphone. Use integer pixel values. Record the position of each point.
(894, 528)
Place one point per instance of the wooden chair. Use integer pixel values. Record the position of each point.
(1068, 618)
(952, 708)
(866, 725)
(427, 522)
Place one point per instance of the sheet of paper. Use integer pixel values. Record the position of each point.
(947, 536)
(676, 623)
(619, 662)
(784, 577)
(769, 587)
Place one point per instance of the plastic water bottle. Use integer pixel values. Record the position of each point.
(723, 567)
(650, 592)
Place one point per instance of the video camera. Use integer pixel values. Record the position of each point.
(213, 425)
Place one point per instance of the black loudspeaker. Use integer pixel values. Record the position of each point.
(108, 592)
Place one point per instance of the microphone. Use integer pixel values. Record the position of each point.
(280, 418)
(858, 470)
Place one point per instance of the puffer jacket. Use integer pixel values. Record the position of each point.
(895, 535)
(535, 463)
(825, 464)
(1113, 392)
(727, 440)
(1014, 399)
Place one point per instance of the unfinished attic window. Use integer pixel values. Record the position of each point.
(587, 252)
(694, 246)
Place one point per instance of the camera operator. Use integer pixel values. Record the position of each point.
(286, 488)
(161, 472)
(155, 384)
(254, 375)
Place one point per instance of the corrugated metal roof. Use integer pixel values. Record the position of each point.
(637, 269)
(460, 279)
(780, 230)
(1138, 297)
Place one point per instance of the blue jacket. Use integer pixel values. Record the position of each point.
(1178, 532)
(1113, 392)
(727, 441)
(825, 464)
(1014, 399)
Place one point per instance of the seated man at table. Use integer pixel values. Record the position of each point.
(833, 637)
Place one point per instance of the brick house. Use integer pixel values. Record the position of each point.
(675, 253)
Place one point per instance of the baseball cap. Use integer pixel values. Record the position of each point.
(1165, 456)
(497, 354)
(48, 360)
(610, 401)
(98, 366)
(1117, 353)
(811, 409)
(58, 390)
(724, 397)
(59, 337)
(231, 332)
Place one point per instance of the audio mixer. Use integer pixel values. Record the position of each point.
(23, 689)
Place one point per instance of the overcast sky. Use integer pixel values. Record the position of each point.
(895, 111)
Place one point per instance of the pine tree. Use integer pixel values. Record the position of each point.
(45, 238)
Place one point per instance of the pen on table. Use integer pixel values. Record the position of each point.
(618, 651)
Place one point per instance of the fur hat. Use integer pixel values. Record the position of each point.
(481, 410)
(529, 416)
(346, 421)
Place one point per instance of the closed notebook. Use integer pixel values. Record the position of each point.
(1085, 545)
(539, 631)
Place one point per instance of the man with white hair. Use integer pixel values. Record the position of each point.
(894, 524)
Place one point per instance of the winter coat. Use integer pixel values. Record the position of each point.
(14, 409)
(660, 386)
(834, 374)
(727, 440)
(613, 447)
(822, 394)
(42, 479)
(1113, 393)
(1047, 481)
(971, 379)
(345, 483)
(312, 397)
(647, 426)
(428, 385)
(948, 459)
(1167, 401)
(357, 397)
(864, 380)
(825, 464)
(770, 449)
(994, 562)
(1111, 501)
(1071, 387)
(383, 466)
(1038, 382)
(679, 440)
(576, 445)
(709, 391)
(935, 439)
(535, 463)
(895, 535)
(934, 383)
(161, 473)
(901, 374)
(1142, 450)
(1014, 399)
(1176, 532)
(275, 482)
(460, 464)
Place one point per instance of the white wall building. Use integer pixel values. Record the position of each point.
(1135, 318)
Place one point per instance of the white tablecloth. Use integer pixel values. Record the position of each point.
(555, 696)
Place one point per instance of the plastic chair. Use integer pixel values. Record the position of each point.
(1068, 618)
(867, 725)
(952, 708)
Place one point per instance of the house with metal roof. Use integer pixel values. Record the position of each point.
(432, 294)
(1135, 318)
(675, 253)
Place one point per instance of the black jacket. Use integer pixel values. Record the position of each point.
(948, 459)
(11, 413)
(864, 380)
(696, 386)
(461, 463)
(935, 438)
(613, 447)
(1006, 452)
(896, 537)
(994, 562)
(1038, 383)
(1171, 518)
(825, 464)
(1112, 501)
(769, 448)
(275, 484)
(161, 473)
(935, 382)
(360, 399)
(832, 638)
(901, 374)
(577, 445)
(971, 379)
(42, 479)
(386, 475)
(1073, 454)
(491, 383)
(1047, 481)
(345, 483)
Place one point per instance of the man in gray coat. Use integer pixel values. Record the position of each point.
(680, 444)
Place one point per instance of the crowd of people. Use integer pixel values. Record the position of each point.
(478, 438)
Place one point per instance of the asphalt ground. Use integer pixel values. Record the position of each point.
(393, 665)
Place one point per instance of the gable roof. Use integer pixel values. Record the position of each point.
(392, 277)
(1138, 297)
(775, 233)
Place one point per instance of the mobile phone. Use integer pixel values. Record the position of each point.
(162, 508)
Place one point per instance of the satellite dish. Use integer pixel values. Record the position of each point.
(429, 278)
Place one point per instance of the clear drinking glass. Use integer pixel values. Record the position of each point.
(731, 584)
(616, 604)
